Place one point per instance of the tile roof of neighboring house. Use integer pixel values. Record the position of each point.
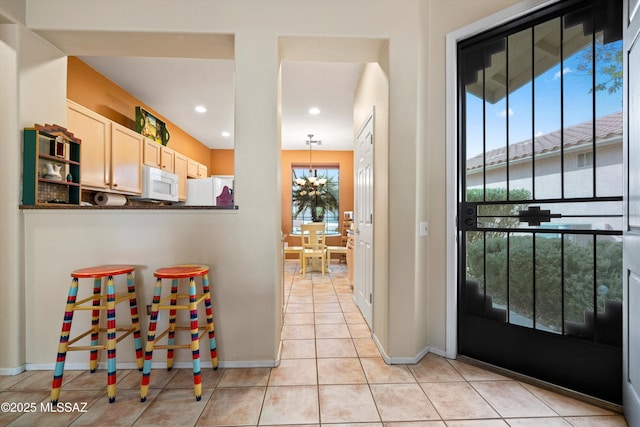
(607, 126)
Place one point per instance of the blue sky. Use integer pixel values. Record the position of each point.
(577, 107)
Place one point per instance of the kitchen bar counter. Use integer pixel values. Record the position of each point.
(60, 239)
(159, 206)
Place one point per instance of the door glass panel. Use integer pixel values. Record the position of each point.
(520, 115)
(496, 274)
(474, 283)
(547, 109)
(521, 279)
(608, 129)
(548, 285)
(473, 133)
(577, 85)
(496, 116)
(578, 285)
(609, 289)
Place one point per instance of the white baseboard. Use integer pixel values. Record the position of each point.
(440, 352)
(13, 371)
(154, 365)
(406, 360)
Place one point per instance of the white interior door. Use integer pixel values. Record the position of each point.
(631, 240)
(363, 274)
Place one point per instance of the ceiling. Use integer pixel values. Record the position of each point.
(175, 86)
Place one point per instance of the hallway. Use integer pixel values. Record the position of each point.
(330, 374)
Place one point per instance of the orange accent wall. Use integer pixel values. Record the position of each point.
(301, 157)
(91, 89)
(222, 162)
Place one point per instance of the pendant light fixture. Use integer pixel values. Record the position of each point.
(312, 178)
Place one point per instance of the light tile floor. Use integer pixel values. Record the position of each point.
(330, 374)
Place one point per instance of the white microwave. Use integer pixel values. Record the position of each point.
(159, 185)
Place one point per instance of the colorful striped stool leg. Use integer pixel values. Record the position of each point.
(195, 341)
(171, 340)
(151, 337)
(135, 319)
(95, 324)
(210, 325)
(64, 341)
(111, 340)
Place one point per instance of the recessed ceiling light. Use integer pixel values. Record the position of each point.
(225, 134)
(201, 109)
(314, 110)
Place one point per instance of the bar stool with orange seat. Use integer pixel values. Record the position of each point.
(104, 298)
(176, 273)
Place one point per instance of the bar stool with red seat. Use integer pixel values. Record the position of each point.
(104, 298)
(176, 273)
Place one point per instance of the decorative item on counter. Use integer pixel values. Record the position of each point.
(225, 198)
(151, 127)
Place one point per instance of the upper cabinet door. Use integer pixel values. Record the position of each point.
(192, 168)
(126, 160)
(180, 169)
(202, 171)
(95, 133)
(151, 153)
(166, 159)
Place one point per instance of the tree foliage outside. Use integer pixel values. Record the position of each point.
(578, 275)
(608, 59)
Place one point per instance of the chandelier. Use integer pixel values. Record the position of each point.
(313, 194)
(312, 183)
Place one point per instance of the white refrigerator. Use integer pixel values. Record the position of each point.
(212, 191)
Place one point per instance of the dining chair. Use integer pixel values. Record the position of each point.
(313, 244)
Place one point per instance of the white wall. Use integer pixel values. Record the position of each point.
(243, 295)
(249, 285)
(372, 92)
(439, 17)
(10, 243)
(245, 251)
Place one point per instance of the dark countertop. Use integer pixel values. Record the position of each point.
(155, 207)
